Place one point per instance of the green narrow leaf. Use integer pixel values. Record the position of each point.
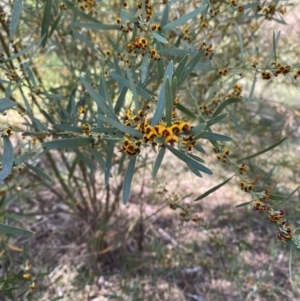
(184, 18)
(118, 72)
(189, 160)
(288, 197)
(276, 197)
(103, 91)
(280, 21)
(31, 77)
(216, 119)
(216, 137)
(4, 81)
(8, 91)
(99, 25)
(72, 169)
(196, 158)
(293, 246)
(37, 124)
(121, 100)
(6, 104)
(275, 44)
(224, 104)
(290, 262)
(197, 129)
(14, 230)
(68, 128)
(159, 111)
(54, 25)
(235, 122)
(133, 88)
(199, 148)
(47, 116)
(128, 179)
(252, 4)
(264, 150)
(159, 38)
(174, 87)
(240, 40)
(190, 66)
(168, 101)
(243, 204)
(180, 67)
(99, 100)
(121, 163)
(106, 130)
(165, 16)
(158, 161)
(71, 108)
(121, 127)
(68, 143)
(46, 22)
(38, 172)
(24, 158)
(84, 40)
(185, 110)
(208, 192)
(8, 159)
(177, 51)
(108, 163)
(53, 96)
(85, 159)
(250, 97)
(17, 9)
(200, 135)
(125, 83)
(194, 170)
(144, 68)
(18, 54)
(98, 157)
(160, 63)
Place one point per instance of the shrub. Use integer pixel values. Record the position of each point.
(149, 78)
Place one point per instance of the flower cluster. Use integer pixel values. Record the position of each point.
(222, 153)
(266, 75)
(297, 74)
(148, 7)
(208, 50)
(208, 109)
(175, 133)
(140, 43)
(223, 71)
(130, 147)
(185, 208)
(2, 17)
(280, 69)
(12, 75)
(87, 6)
(270, 10)
(126, 27)
(86, 128)
(28, 276)
(7, 132)
(154, 55)
(62, 6)
(285, 231)
(170, 133)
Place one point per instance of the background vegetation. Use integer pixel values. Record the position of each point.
(184, 111)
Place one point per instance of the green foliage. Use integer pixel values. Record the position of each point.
(148, 84)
